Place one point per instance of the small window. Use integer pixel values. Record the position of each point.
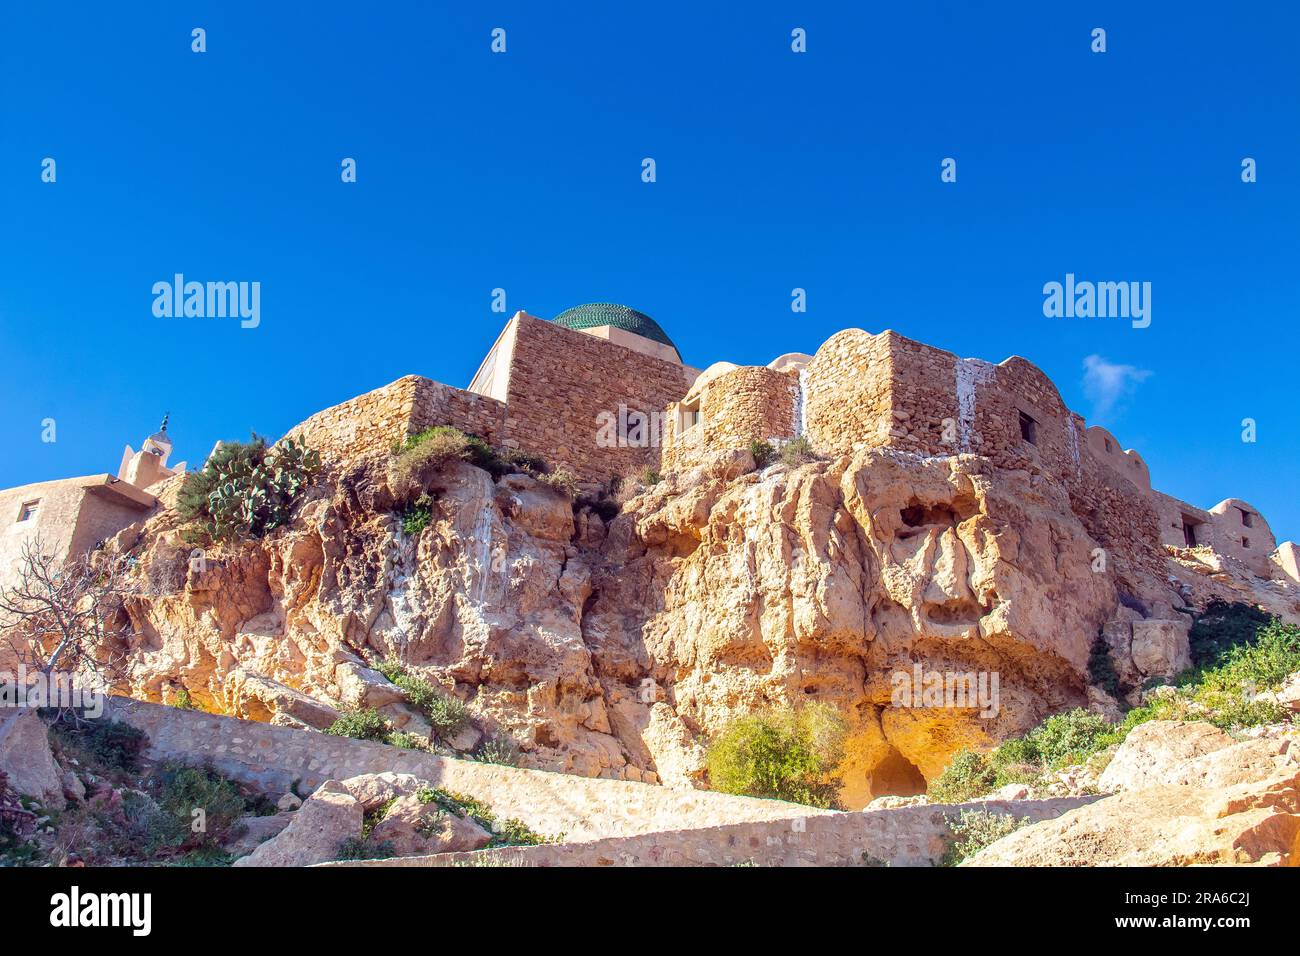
(1189, 532)
(1028, 429)
(1245, 542)
(28, 511)
(688, 416)
(1109, 447)
(1247, 519)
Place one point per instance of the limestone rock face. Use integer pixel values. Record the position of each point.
(254, 831)
(26, 758)
(615, 648)
(1166, 825)
(1193, 753)
(376, 789)
(315, 830)
(416, 829)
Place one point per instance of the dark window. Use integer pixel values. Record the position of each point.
(1246, 518)
(28, 511)
(1189, 533)
(1028, 429)
(1245, 542)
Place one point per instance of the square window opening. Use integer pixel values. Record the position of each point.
(1028, 429)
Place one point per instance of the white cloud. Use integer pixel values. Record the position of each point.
(1105, 383)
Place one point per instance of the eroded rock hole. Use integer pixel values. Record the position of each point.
(895, 776)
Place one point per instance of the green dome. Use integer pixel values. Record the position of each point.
(620, 316)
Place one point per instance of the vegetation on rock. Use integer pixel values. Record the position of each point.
(245, 489)
(976, 829)
(362, 724)
(447, 715)
(764, 453)
(1241, 661)
(781, 754)
(508, 832)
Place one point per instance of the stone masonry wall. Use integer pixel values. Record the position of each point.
(748, 404)
(562, 380)
(378, 420)
(900, 836)
(438, 404)
(582, 808)
(848, 393)
(369, 423)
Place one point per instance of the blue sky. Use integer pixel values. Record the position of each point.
(522, 171)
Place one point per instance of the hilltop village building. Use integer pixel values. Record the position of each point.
(601, 390)
(71, 516)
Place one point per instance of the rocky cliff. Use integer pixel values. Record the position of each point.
(615, 649)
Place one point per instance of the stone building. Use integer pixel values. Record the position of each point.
(601, 391)
(71, 516)
(587, 391)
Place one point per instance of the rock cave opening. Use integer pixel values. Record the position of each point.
(893, 775)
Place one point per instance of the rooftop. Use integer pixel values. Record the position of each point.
(595, 314)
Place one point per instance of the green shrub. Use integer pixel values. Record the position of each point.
(1222, 627)
(107, 745)
(358, 848)
(480, 453)
(447, 714)
(1101, 668)
(649, 477)
(781, 754)
(763, 452)
(498, 749)
(968, 775)
(361, 724)
(431, 447)
(509, 832)
(442, 443)
(182, 700)
(977, 829)
(1221, 694)
(1059, 741)
(565, 482)
(522, 461)
(797, 451)
(418, 515)
(186, 789)
(245, 489)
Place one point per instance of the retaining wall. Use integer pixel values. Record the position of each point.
(582, 808)
(899, 836)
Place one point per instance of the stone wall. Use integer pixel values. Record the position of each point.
(900, 836)
(438, 404)
(379, 420)
(859, 390)
(848, 393)
(1249, 543)
(582, 808)
(375, 421)
(561, 381)
(750, 403)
